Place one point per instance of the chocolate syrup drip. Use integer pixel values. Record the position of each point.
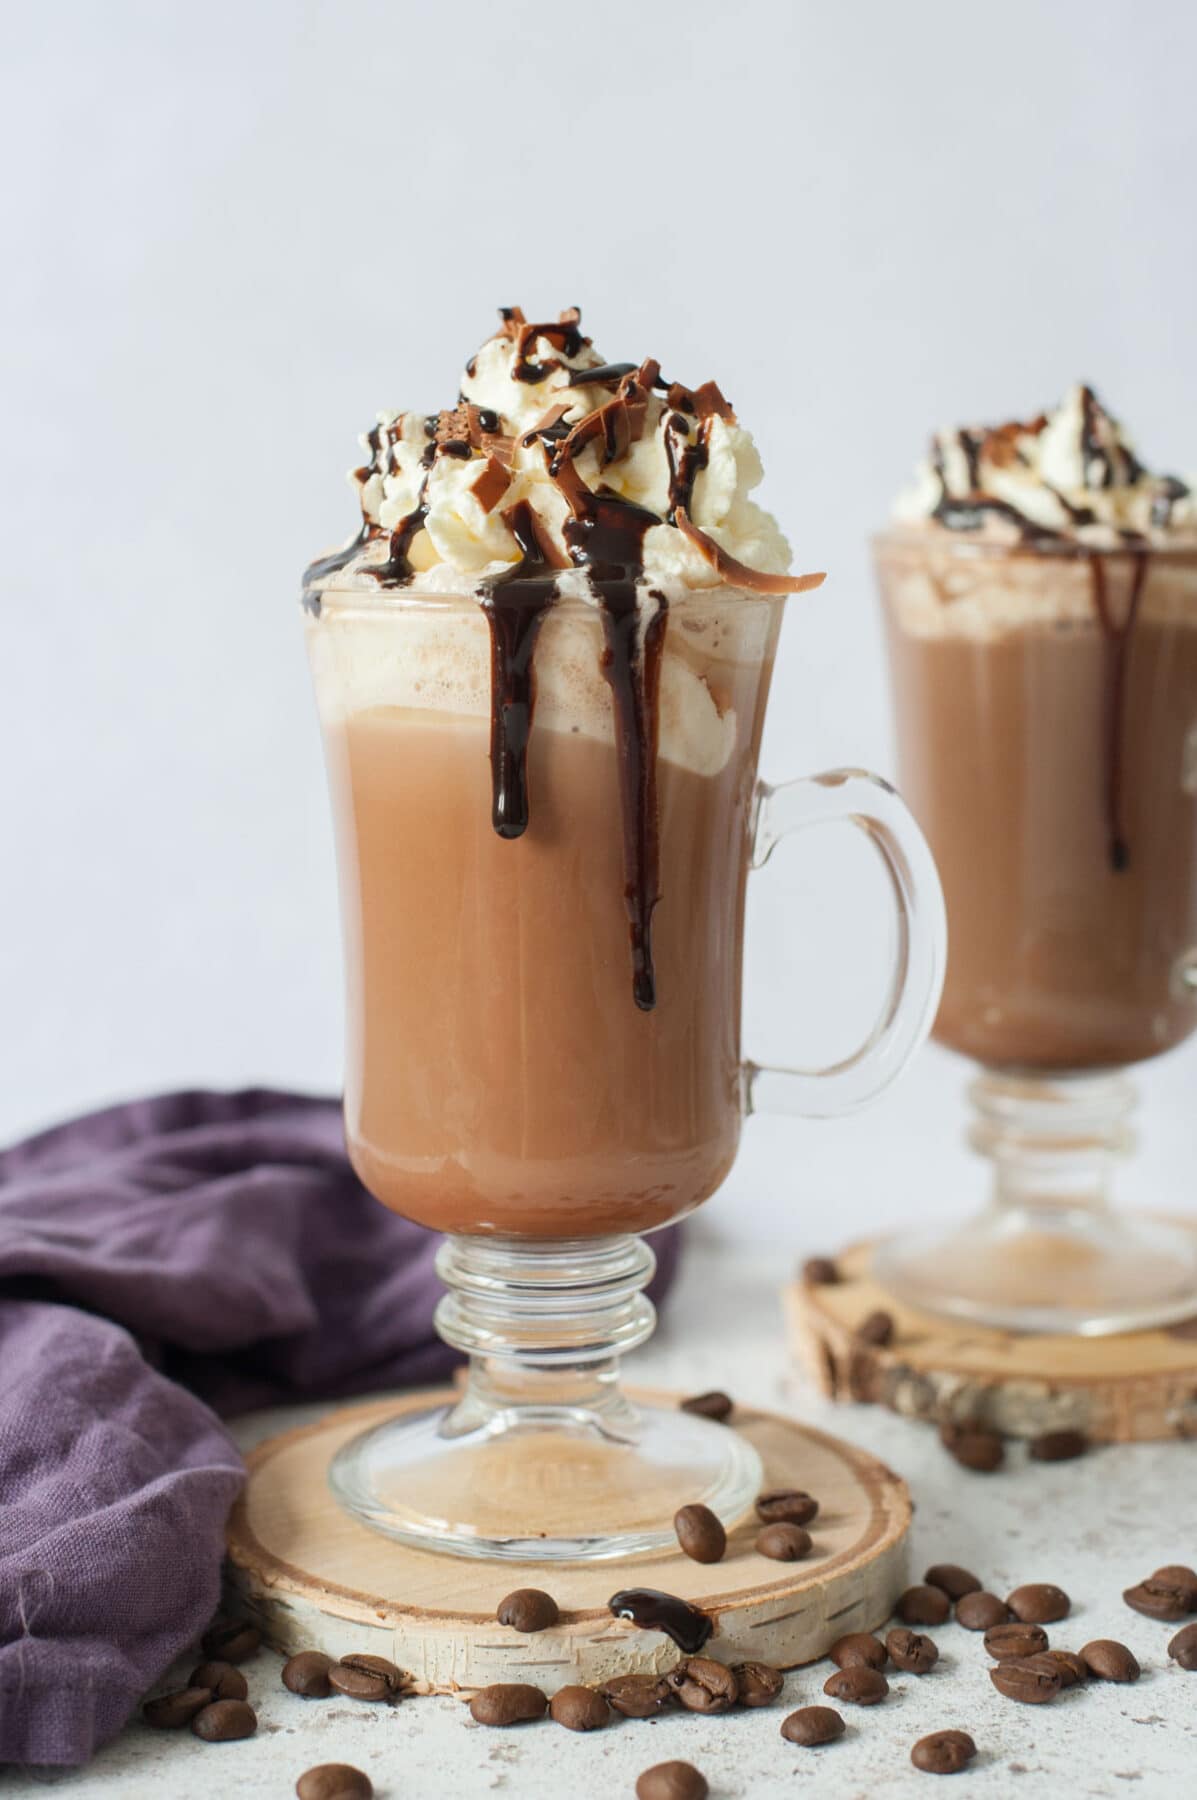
(606, 375)
(606, 537)
(317, 573)
(515, 606)
(564, 335)
(685, 459)
(685, 1624)
(1118, 644)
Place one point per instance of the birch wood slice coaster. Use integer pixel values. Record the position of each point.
(1139, 1386)
(313, 1577)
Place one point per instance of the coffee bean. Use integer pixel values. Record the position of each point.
(786, 1506)
(715, 1405)
(226, 1682)
(812, 1725)
(1013, 1642)
(974, 1447)
(703, 1685)
(1183, 1648)
(877, 1328)
(170, 1712)
(1073, 1672)
(307, 1674)
(757, 1683)
(334, 1781)
(638, 1696)
(1031, 1679)
(1180, 1577)
(981, 1611)
(1109, 1660)
(1039, 1603)
(923, 1605)
(955, 1581)
(527, 1609)
(859, 1649)
(231, 1640)
(1159, 1599)
(508, 1703)
(912, 1651)
(943, 1752)
(783, 1543)
(820, 1271)
(859, 1684)
(365, 1677)
(700, 1533)
(225, 1721)
(580, 1709)
(1057, 1446)
(672, 1781)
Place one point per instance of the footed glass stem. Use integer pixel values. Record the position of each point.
(1050, 1253)
(544, 1457)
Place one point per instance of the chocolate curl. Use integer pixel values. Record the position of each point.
(619, 421)
(708, 400)
(491, 484)
(531, 534)
(738, 574)
(564, 336)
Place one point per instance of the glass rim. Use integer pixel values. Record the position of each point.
(942, 539)
(377, 600)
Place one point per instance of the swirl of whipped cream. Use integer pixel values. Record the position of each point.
(1071, 474)
(543, 423)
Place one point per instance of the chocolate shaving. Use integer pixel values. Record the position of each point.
(708, 400)
(738, 574)
(564, 336)
(491, 485)
(619, 421)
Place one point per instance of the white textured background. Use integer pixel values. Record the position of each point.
(234, 231)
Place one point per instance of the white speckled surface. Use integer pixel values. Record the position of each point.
(1093, 1526)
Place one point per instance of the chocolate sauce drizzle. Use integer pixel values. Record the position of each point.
(649, 1607)
(317, 573)
(515, 605)
(1118, 639)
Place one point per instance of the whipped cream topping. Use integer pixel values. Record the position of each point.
(543, 422)
(1071, 475)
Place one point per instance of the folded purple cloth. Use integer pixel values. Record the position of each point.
(162, 1262)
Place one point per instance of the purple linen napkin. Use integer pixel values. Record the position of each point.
(162, 1262)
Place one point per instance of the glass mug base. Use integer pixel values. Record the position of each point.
(1050, 1253)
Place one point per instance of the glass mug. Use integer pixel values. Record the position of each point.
(503, 1085)
(1046, 701)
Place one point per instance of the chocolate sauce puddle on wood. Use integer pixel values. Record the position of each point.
(1118, 645)
(685, 1624)
(515, 606)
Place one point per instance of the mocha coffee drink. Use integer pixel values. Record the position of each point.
(1040, 596)
(542, 669)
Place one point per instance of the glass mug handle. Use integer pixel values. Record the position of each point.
(855, 797)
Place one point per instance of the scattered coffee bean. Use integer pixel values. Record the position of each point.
(700, 1533)
(820, 1271)
(974, 1447)
(786, 1506)
(231, 1640)
(859, 1649)
(1159, 1599)
(703, 1685)
(508, 1703)
(365, 1677)
(955, 1581)
(1031, 1679)
(334, 1781)
(943, 1752)
(812, 1725)
(859, 1684)
(1110, 1661)
(911, 1651)
(580, 1709)
(1057, 1446)
(170, 1712)
(981, 1611)
(1073, 1672)
(1181, 1577)
(757, 1683)
(527, 1609)
(1013, 1642)
(225, 1721)
(923, 1605)
(715, 1405)
(877, 1328)
(783, 1543)
(226, 1682)
(1183, 1648)
(672, 1781)
(306, 1674)
(1039, 1603)
(638, 1696)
